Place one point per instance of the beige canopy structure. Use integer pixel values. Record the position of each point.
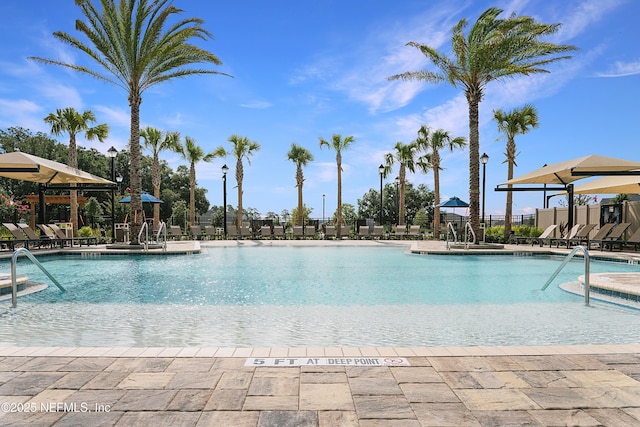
(610, 185)
(565, 173)
(31, 168)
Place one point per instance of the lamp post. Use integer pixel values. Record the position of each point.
(323, 200)
(119, 179)
(225, 169)
(484, 159)
(112, 153)
(381, 170)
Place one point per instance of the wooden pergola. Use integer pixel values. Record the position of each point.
(33, 199)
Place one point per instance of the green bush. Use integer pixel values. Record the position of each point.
(85, 231)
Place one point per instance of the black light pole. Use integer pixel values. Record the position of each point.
(323, 200)
(484, 159)
(225, 169)
(112, 152)
(381, 170)
(545, 201)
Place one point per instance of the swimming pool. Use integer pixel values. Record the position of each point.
(311, 297)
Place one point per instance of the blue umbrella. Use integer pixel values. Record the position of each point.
(454, 202)
(146, 198)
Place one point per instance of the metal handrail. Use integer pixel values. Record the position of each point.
(145, 228)
(467, 226)
(162, 231)
(14, 282)
(455, 236)
(587, 286)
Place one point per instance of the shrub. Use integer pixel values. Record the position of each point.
(85, 231)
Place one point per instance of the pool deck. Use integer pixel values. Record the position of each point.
(586, 385)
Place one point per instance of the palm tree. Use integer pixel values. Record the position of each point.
(494, 49)
(72, 122)
(193, 154)
(338, 144)
(156, 141)
(405, 155)
(515, 122)
(243, 148)
(137, 48)
(301, 157)
(432, 143)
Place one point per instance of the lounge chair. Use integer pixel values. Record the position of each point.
(309, 231)
(298, 232)
(378, 231)
(265, 232)
(278, 232)
(615, 236)
(601, 234)
(633, 240)
(330, 232)
(245, 231)
(414, 232)
(52, 236)
(567, 237)
(581, 236)
(210, 232)
(33, 237)
(62, 235)
(196, 232)
(546, 235)
(363, 232)
(232, 231)
(18, 236)
(401, 232)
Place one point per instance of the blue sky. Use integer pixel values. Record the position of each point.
(307, 69)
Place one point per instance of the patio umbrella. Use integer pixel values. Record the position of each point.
(454, 202)
(146, 198)
(31, 168)
(610, 185)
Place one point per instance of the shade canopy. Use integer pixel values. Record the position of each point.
(454, 202)
(610, 185)
(572, 170)
(31, 168)
(146, 198)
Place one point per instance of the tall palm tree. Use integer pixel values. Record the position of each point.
(405, 155)
(301, 157)
(243, 148)
(193, 154)
(494, 49)
(137, 48)
(432, 143)
(515, 122)
(338, 144)
(157, 141)
(72, 122)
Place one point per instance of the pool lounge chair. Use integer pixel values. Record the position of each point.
(62, 235)
(33, 237)
(232, 231)
(546, 235)
(616, 235)
(600, 234)
(52, 236)
(567, 237)
(245, 232)
(298, 232)
(401, 232)
(196, 232)
(414, 232)
(581, 236)
(278, 232)
(363, 232)
(378, 232)
(330, 232)
(309, 231)
(18, 236)
(265, 232)
(634, 240)
(210, 232)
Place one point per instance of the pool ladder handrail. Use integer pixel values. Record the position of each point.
(162, 232)
(587, 286)
(145, 228)
(14, 281)
(455, 236)
(467, 226)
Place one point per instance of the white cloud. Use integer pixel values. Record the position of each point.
(259, 105)
(112, 116)
(622, 69)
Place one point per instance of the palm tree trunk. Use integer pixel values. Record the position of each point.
(73, 194)
(339, 213)
(436, 197)
(239, 178)
(403, 175)
(300, 181)
(511, 148)
(155, 181)
(192, 193)
(473, 98)
(135, 220)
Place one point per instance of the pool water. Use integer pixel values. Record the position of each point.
(311, 297)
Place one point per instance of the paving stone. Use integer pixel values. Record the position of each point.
(502, 363)
(190, 365)
(105, 380)
(322, 369)
(84, 364)
(598, 378)
(193, 380)
(562, 417)
(374, 386)
(507, 418)
(496, 400)
(7, 376)
(229, 418)
(13, 363)
(74, 380)
(22, 419)
(270, 403)
(633, 412)
(226, 400)
(633, 370)
(158, 419)
(45, 364)
(383, 407)
(545, 363)
(318, 397)
(273, 386)
(142, 364)
(189, 400)
(429, 392)
(93, 419)
(145, 400)
(442, 364)
(102, 399)
(587, 362)
(421, 374)
(326, 377)
(237, 380)
(542, 378)
(233, 363)
(499, 380)
(418, 361)
(338, 418)
(50, 398)
(29, 383)
(618, 358)
(444, 415)
(146, 380)
(277, 372)
(458, 380)
(369, 372)
(560, 398)
(288, 419)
